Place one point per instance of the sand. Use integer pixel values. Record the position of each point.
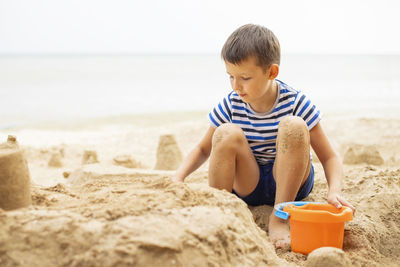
(169, 155)
(115, 209)
(14, 176)
(328, 257)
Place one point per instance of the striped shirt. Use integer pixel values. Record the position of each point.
(261, 129)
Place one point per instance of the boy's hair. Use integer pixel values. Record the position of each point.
(252, 40)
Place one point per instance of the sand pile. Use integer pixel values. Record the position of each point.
(55, 160)
(136, 219)
(128, 162)
(328, 257)
(357, 154)
(169, 155)
(14, 176)
(90, 157)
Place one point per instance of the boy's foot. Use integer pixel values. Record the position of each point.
(278, 231)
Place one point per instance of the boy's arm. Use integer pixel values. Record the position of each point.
(332, 166)
(196, 157)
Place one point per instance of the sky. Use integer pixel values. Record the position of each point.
(173, 26)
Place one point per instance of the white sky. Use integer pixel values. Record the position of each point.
(173, 26)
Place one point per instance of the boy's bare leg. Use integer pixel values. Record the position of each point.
(232, 163)
(291, 170)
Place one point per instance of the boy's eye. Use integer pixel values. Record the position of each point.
(246, 78)
(231, 77)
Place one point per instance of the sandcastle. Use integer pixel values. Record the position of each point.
(357, 154)
(127, 161)
(89, 157)
(14, 176)
(169, 156)
(55, 160)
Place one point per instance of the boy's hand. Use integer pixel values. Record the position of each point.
(338, 201)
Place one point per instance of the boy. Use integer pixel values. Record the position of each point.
(260, 134)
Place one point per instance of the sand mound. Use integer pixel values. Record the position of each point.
(110, 220)
(14, 176)
(127, 161)
(55, 160)
(375, 232)
(357, 154)
(169, 156)
(89, 157)
(327, 257)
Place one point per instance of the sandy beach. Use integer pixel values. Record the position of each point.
(99, 200)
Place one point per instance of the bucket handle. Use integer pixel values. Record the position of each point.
(285, 215)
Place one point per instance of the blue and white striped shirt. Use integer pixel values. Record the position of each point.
(261, 129)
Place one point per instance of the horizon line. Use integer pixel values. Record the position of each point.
(110, 54)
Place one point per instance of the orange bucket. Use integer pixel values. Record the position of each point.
(314, 225)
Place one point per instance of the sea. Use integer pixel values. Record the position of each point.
(55, 88)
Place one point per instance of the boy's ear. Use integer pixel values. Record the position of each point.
(273, 71)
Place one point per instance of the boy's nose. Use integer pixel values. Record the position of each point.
(236, 85)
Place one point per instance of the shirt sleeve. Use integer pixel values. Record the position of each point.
(222, 113)
(304, 108)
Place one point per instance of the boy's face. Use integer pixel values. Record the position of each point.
(251, 82)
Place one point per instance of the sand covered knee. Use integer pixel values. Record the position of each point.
(14, 176)
(228, 133)
(293, 131)
(293, 123)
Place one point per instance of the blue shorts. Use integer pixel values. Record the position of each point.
(264, 193)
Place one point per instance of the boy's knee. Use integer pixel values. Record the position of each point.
(293, 122)
(293, 130)
(228, 134)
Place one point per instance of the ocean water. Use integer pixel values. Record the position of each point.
(55, 88)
